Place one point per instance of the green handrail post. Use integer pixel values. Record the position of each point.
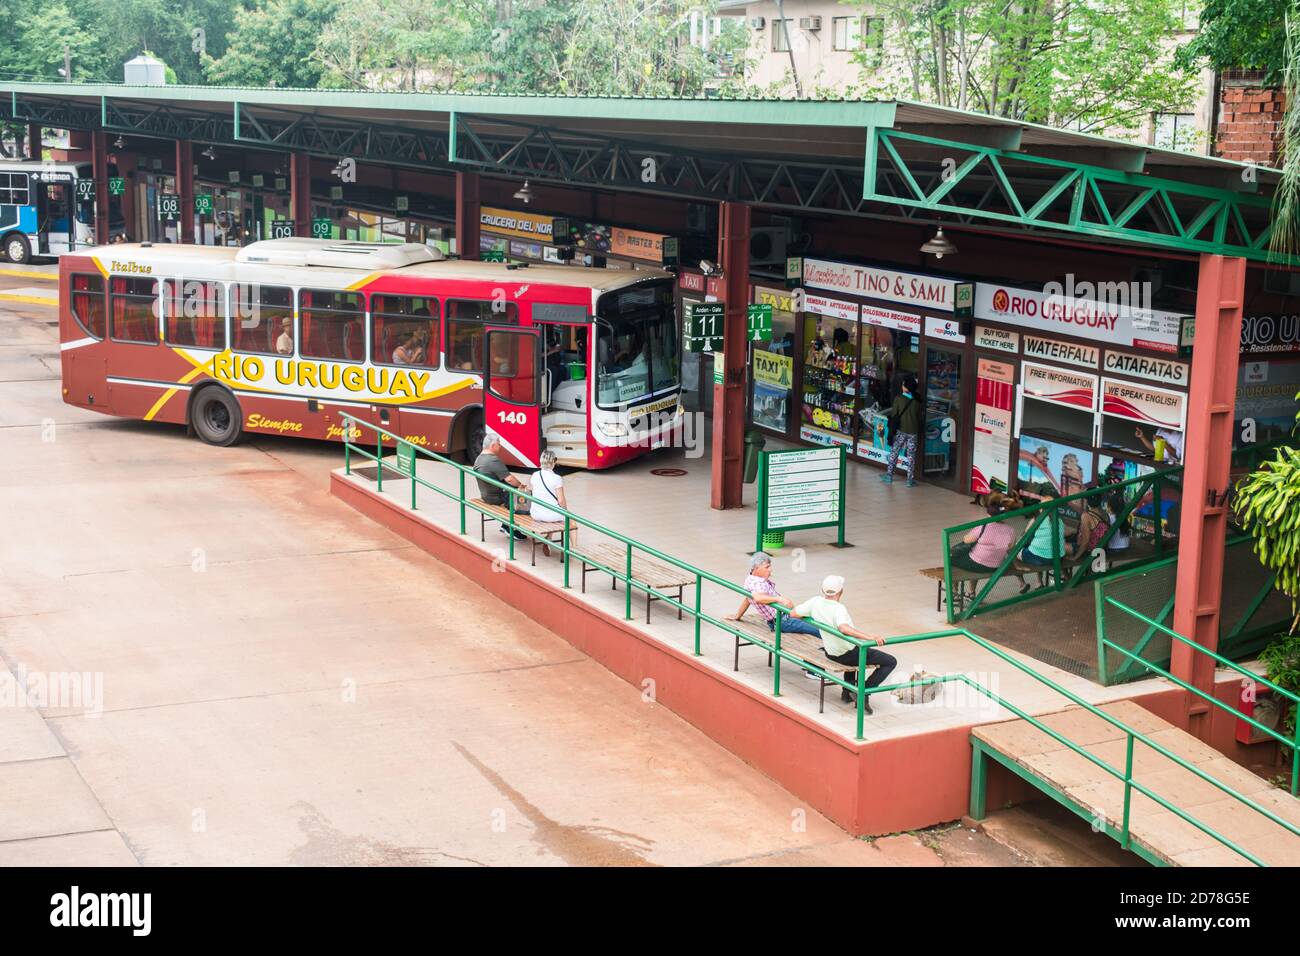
(462, 501)
(776, 657)
(627, 586)
(1128, 787)
(978, 780)
(415, 482)
(510, 531)
(379, 460)
(1295, 756)
(564, 544)
(699, 586)
(947, 575)
(347, 454)
(862, 688)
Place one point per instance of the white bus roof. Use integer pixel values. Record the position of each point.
(332, 263)
(36, 165)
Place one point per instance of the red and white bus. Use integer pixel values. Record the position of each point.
(284, 336)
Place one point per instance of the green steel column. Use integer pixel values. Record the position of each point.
(978, 780)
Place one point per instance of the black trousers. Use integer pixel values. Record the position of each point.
(885, 664)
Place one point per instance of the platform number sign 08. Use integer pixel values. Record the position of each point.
(203, 204)
(169, 206)
(283, 229)
(704, 325)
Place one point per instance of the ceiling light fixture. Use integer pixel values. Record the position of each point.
(119, 143)
(940, 245)
(524, 193)
(209, 153)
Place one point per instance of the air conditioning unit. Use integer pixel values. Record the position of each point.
(757, 23)
(1281, 283)
(810, 23)
(767, 246)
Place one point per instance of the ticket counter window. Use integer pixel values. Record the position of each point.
(830, 380)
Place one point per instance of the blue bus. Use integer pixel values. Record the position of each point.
(42, 210)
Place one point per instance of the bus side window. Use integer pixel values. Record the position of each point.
(134, 305)
(465, 320)
(13, 189)
(333, 325)
(198, 319)
(259, 315)
(88, 303)
(405, 331)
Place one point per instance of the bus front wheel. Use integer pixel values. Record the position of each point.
(17, 249)
(216, 417)
(475, 433)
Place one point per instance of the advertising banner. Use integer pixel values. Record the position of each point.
(991, 448)
(1142, 403)
(889, 319)
(1068, 353)
(519, 225)
(1059, 386)
(837, 308)
(633, 244)
(997, 340)
(1154, 369)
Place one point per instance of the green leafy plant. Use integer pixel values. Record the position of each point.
(1266, 504)
(1282, 658)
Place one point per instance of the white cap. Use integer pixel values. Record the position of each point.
(832, 584)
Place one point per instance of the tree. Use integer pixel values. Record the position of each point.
(1090, 65)
(274, 44)
(1239, 34)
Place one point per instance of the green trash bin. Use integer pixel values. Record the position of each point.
(754, 445)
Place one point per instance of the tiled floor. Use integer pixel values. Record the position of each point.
(894, 530)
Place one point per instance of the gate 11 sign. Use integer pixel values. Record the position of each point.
(801, 489)
(704, 324)
(759, 322)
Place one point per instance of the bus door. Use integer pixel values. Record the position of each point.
(53, 213)
(513, 387)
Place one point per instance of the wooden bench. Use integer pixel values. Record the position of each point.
(647, 572)
(805, 647)
(960, 577)
(536, 530)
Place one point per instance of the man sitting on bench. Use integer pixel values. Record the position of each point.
(827, 608)
(763, 594)
(489, 464)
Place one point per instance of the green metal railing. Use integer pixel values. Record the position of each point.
(406, 454)
(1247, 590)
(1135, 656)
(1057, 512)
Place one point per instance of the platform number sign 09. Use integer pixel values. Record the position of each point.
(704, 325)
(169, 206)
(321, 229)
(283, 229)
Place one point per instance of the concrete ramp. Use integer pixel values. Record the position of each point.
(1156, 833)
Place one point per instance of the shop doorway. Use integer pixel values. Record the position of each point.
(943, 450)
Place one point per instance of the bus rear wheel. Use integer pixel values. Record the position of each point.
(215, 417)
(475, 434)
(17, 249)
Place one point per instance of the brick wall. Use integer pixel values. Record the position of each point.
(1250, 124)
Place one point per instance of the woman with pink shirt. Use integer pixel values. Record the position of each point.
(985, 548)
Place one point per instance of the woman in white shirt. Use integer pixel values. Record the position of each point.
(548, 488)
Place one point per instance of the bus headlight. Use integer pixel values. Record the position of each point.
(613, 429)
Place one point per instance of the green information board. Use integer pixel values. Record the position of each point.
(203, 204)
(759, 322)
(492, 255)
(405, 462)
(704, 323)
(322, 229)
(169, 207)
(801, 489)
(116, 185)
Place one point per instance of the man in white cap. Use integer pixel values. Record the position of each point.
(828, 608)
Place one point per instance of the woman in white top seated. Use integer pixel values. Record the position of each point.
(548, 488)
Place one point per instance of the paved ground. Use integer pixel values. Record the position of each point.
(271, 679)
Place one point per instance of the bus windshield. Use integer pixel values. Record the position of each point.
(636, 344)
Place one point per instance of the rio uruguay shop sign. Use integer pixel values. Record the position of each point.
(1112, 323)
(801, 489)
(875, 282)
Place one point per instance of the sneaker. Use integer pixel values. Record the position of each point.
(887, 479)
(911, 482)
(811, 676)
